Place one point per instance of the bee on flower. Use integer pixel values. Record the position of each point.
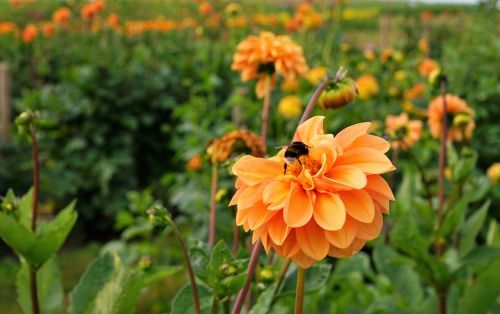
(321, 195)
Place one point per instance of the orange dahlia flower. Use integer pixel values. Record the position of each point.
(268, 54)
(113, 20)
(455, 106)
(427, 66)
(404, 131)
(329, 203)
(367, 86)
(48, 29)
(61, 16)
(30, 33)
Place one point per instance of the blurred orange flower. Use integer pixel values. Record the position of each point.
(268, 54)
(61, 16)
(316, 75)
(29, 34)
(494, 172)
(423, 45)
(367, 86)
(205, 8)
(113, 20)
(290, 86)
(416, 91)
(290, 106)
(8, 27)
(427, 66)
(330, 203)
(92, 9)
(222, 148)
(194, 163)
(404, 132)
(456, 107)
(48, 29)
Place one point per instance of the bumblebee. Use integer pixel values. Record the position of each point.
(293, 152)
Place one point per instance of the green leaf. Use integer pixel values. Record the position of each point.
(455, 216)
(480, 256)
(482, 295)
(264, 301)
(230, 285)
(91, 282)
(25, 208)
(315, 279)
(471, 229)
(183, 302)
(405, 280)
(50, 291)
(15, 235)
(493, 236)
(51, 236)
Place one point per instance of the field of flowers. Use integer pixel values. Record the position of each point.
(250, 156)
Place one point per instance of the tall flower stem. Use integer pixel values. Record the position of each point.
(213, 204)
(236, 240)
(299, 291)
(215, 306)
(442, 163)
(35, 305)
(314, 99)
(254, 258)
(187, 264)
(265, 109)
(281, 276)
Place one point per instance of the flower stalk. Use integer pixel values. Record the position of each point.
(314, 99)
(299, 291)
(254, 258)
(213, 204)
(35, 305)
(442, 163)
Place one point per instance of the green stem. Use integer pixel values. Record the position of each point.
(187, 263)
(423, 177)
(281, 275)
(265, 109)
(213, 204)
(215, 305)
(35, 305)
(314, 99)
(299, 293)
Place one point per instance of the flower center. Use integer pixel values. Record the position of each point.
(303, 162)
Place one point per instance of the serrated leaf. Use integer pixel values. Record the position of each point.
(25, 207)
(183, 302)
(405, 280)
(51, 235)
(50, 291)
(264, 301)
(482, 295)
(15, 235)
(471, 229)
(91, 282)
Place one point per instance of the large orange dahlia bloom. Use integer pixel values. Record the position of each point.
(455, 106)
(268, 54)
(330, 203)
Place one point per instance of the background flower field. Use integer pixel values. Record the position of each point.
(129, 97)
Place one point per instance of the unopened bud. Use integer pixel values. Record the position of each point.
(338, 93)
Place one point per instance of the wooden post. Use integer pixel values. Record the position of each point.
(5, 110)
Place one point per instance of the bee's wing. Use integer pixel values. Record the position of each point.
(280, 147)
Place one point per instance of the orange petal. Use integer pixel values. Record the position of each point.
(277, 229)
(258, 215)
(347, 176)
(369, 160)
(309, 129)
(312, 241)
(275, 194)
(379, 200)
(329, 211)
(298, 208)
(359, 205)
(249, 196)
(289, 248)
(371, 141)
(242, 216)
(252, 170)
(343, 238)
(377, 184)
(354, 248)
(372, 230)
(236, 196)
(303, 260)
(348, 135)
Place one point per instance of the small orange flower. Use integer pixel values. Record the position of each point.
(8, 27)
(427, 66)
(113, 20)
(329, 203)
(48, 29)
(416, 91)
(290, 86)
(455, 106)
(423, 45)
(268, 54)
(61, 16)
(316, 75)
(404, 132)
(290, 106)
(494, 172)
(221, 149)
(29, 34)
(194, 163)
(367, 86)
(205, 8)
(92, 9)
